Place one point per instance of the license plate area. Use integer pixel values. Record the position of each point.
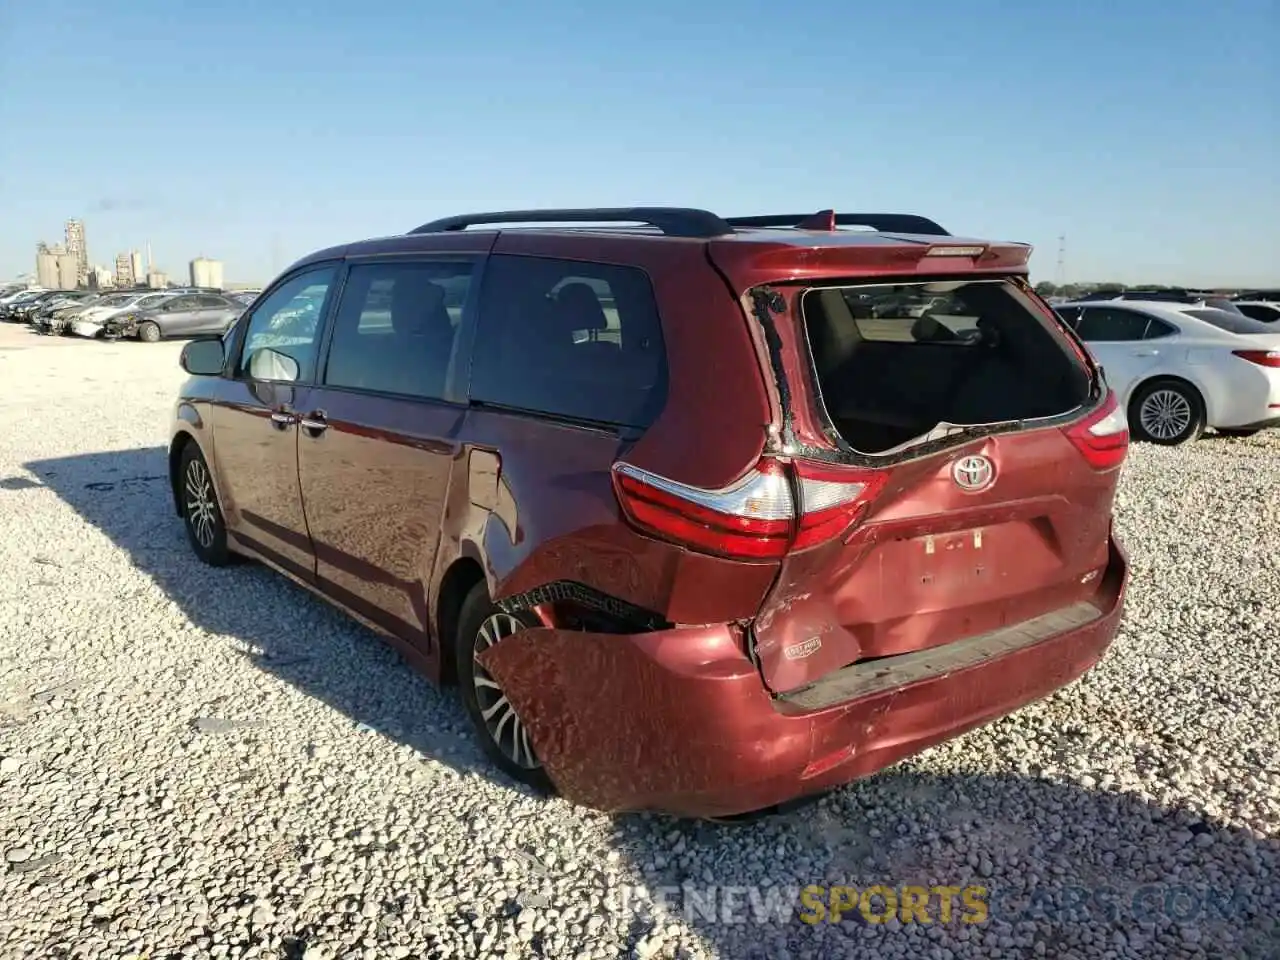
(953, 559)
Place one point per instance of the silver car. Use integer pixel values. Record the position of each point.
(184, 315)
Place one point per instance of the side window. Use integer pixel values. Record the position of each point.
(1070, 315)
(283, 334)
(396, 326)
(207, 301)
(568, 338)
(1110, 324)
(175, 304)
(1157, 329)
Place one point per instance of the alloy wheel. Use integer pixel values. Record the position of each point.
(500, 720)
(1166, 414)
(201, 505)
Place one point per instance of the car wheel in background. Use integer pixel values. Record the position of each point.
(148, 332)
(501, 734)
(1167, 412)
(201, 512)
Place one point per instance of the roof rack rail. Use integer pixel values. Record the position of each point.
(882, 222)
(672, 221)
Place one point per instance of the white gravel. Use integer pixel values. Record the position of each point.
(206, 763)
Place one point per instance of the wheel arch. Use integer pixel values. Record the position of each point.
(1201, 394)
(459, 580)
(181, 439)
(1197, 394)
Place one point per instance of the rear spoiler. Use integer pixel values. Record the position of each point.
(829, 220)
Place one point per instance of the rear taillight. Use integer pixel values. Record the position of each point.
(755, 518)
(831, 500)
(1102, 437)
(1263, 358)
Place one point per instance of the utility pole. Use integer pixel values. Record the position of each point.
(1060, 278)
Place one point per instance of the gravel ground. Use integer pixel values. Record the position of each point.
(207, 763)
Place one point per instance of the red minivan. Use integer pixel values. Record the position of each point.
(702, 514)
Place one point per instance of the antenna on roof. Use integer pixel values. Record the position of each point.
(822, 220)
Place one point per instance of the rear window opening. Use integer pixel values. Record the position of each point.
(895, 362)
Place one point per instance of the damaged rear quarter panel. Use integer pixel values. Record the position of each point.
(603, 712)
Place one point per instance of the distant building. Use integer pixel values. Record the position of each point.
(206, 273)
(101, 278)
(69, 271)
(157, 280)
(139, 268)
(126, 275)
(46, 267)
(77, 248)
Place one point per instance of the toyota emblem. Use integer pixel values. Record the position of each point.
(973, 473)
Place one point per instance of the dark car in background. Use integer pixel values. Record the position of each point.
(55, 316)
(41, 315)
(701, 514)
(177, 316)
(22, 309)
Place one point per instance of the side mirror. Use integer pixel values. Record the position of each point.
(203, 358)
(268, 364)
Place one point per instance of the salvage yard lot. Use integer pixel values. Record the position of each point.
(199, 762)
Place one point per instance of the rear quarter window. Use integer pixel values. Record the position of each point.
(569, 339)
(1231, 322)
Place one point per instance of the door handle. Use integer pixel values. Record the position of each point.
(282, 418)
(1145, 353)
(314, 423)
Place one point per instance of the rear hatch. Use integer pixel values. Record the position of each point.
(953, 456)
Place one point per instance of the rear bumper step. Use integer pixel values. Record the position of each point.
(886, 673)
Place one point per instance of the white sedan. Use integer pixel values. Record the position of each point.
(1178, 369)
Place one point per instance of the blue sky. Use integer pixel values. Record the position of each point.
(1147, 132)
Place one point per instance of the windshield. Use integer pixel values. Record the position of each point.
(1231, 322)
(1219, 303)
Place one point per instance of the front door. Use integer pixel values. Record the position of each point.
(209, 315)
(256, 423)
(175, 316)
(379, 437)
(1117, 338)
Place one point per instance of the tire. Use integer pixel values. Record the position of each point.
(1167, 412)
(148, 332)
(1236, 433)
(201, 512)
(507, 752)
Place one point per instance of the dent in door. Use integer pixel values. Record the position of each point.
(490, 493)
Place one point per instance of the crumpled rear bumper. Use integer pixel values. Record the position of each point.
(679, 720)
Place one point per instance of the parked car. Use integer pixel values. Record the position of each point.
(1264, 296)
(13, 291)
(59, 320)
(1180, 369)
(12, 307)
(183, 315)
(22, 309)
(1259, 310)
(695, 519)
(92, 322)
(1188, 298)
(41, 315)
